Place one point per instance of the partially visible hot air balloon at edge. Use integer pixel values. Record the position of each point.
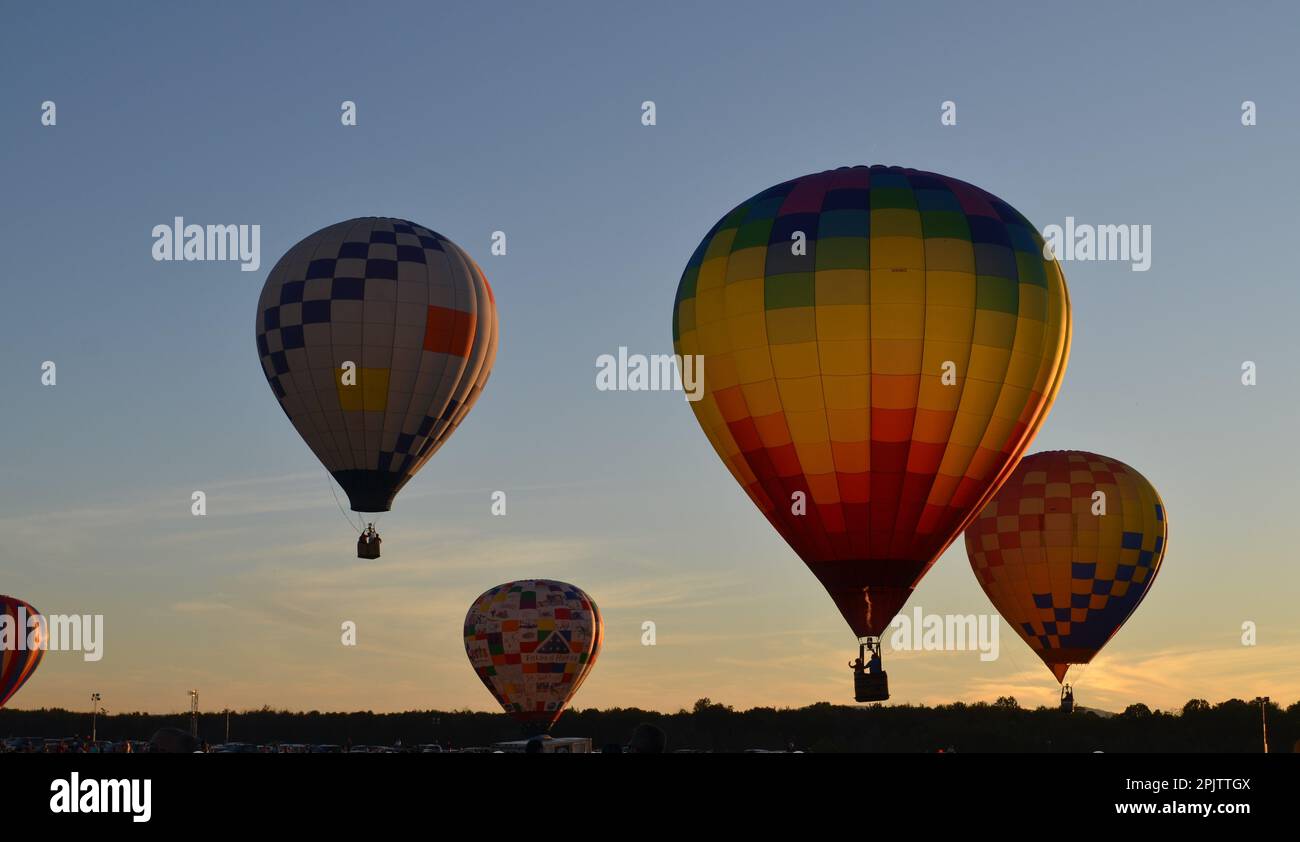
(880, 346)
(532, 643)
(18, 659)
(377, 336)
(1063, 565)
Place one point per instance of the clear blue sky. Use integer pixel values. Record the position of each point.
(526, 118)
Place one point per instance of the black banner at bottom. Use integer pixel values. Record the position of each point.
(126, 792)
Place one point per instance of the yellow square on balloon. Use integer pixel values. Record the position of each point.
(369, 393)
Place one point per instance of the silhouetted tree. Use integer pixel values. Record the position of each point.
(1231, 726)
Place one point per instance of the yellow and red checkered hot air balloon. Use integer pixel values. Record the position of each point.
(880, 345)
(1067, 550)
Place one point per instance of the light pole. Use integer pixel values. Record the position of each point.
(194, 713)
(94, 717)
(1263, 720)
(227, 724)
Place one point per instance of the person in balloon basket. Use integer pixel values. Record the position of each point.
(871, 666)
(369, 542)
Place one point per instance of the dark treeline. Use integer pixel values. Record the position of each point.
(1231, 726)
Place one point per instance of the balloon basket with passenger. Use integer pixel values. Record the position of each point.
(825, 407)
(328, 305)
(368, 543)
(870, 681)
(1065, 605)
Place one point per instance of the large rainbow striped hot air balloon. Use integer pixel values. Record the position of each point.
(880, 346)
(18, 658)
(413, 316)
(1064, 566)
(533, 643)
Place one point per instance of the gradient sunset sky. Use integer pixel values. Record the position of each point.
(526, 119)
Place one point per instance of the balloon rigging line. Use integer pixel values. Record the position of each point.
(328, 481)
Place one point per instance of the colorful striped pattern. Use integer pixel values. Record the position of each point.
(413, 313)
(823, 371)
(1064, 578)
(17, 665)
(532, 643)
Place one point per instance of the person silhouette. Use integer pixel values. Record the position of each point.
(874, 665)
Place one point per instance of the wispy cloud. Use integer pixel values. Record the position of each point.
(1166, 678)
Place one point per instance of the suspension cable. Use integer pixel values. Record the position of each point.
(330, 481)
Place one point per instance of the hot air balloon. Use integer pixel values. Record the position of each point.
(880, 345)
(1066, 550)
(532, 643)
(21, 645)
(376, 336)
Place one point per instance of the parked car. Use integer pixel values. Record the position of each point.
(235, 748)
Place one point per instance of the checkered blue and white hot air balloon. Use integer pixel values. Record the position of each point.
(377, 336)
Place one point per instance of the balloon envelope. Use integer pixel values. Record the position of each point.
(17, 663)
(1064, 577)
(376, 336)
(532, 643)
(880, 345)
